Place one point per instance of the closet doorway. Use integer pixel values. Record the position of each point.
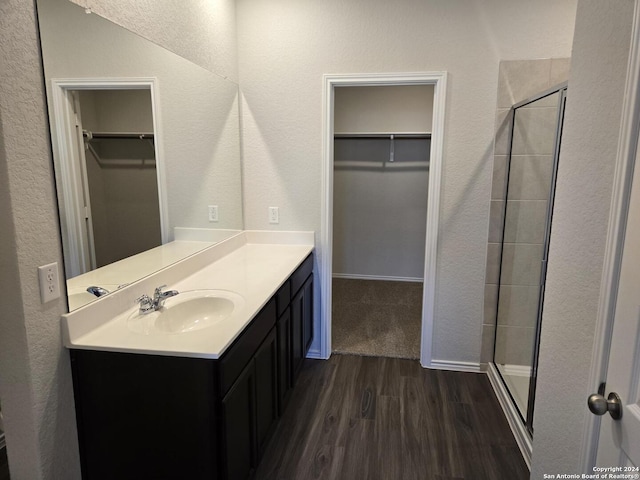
(106, 157)
(383, 149)
(382, 139)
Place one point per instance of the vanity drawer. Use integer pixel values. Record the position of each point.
(240, 353)
(301, 274)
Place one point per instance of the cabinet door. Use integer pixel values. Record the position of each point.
(127, 405)
(284, 360)
(266, 373)
(301, 326)
(238, 427)
(297, 346)
(307, 316)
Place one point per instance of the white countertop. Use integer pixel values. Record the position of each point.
(252, 264)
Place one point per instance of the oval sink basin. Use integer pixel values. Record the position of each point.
(188, 311)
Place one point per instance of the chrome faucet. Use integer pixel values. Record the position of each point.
(97, 291)
(159, 296)
(148, 304)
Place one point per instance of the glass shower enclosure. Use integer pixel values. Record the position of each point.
(531, 176)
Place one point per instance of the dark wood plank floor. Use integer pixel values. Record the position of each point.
(375, 418)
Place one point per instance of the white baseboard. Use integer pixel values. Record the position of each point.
(454, 366)
(517, 370)
(513, 417)
(353, 276)
(315, 354)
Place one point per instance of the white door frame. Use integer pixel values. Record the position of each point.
(67, 173)
(623, 176)
(439, 81)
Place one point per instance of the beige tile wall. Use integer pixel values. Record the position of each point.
(528, 190)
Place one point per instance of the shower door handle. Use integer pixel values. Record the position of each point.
(600, 405)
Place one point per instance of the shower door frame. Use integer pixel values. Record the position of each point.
(543, 274)
(561, 89)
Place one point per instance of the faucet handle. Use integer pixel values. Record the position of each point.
(158, 290)
(146, 303)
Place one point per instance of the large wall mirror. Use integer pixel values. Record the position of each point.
(146, 150)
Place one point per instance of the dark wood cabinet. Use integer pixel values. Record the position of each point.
(145, 416)
(297, 346)
(307, 315)
(266, 373)
(151, 416)
(250, 411)
(238, 432)
(301, 326)
(284, 360)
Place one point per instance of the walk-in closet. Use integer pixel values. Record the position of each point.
(381, 171)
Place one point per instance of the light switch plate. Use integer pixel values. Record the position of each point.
(49, 282)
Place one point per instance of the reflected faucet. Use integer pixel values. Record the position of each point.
(148, 304)
(97, 291)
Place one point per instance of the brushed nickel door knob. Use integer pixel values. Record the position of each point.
(600, 405)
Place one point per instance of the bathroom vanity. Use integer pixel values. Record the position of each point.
(201, 403)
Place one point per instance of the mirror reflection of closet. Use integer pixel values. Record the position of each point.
(118, 165)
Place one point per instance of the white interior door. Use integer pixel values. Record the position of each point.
(619, 443)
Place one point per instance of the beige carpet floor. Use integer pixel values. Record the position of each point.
(376, 318)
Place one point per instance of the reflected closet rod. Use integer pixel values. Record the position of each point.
(383, 135)
(120, 136)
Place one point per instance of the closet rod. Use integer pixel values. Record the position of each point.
(121, 136)
(382, 135)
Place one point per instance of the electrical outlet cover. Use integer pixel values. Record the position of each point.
(274, 216)
(213, 213)
(49, 282)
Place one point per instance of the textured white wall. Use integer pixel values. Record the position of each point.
(35, 377)
(383, 109)
(117, 110)
(203, 31)
(284, 48)
(580, 218)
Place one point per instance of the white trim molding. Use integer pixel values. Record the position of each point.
(315, 353)
(350, 276)
(63, 138)
(456, 366)
(623, 176)
(523, 439)
(517, 370)
(439, 81)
